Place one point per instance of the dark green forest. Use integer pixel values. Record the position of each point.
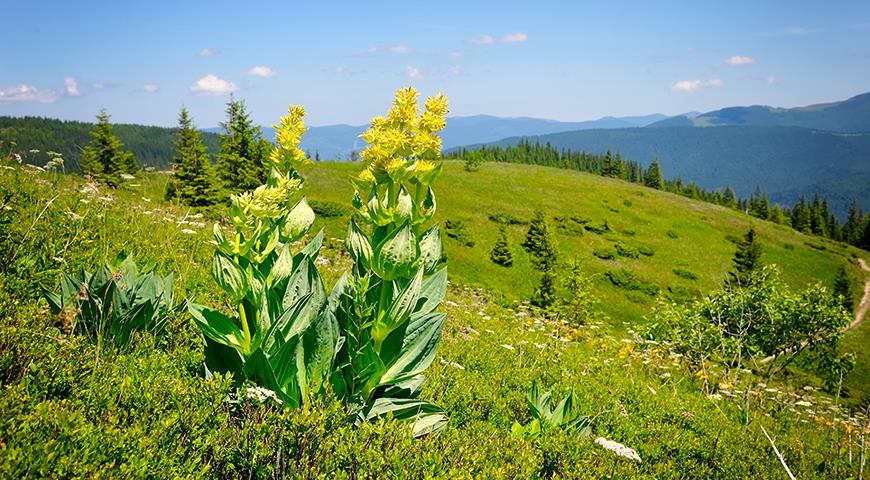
(151, 146)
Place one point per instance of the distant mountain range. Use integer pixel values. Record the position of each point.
(338, 141)
(787, 151)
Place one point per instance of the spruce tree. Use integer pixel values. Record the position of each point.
(852, 227)
(729, 198)
(612, 166)
(843, 289)
(195, 182)
(576, 307)
(103, 158)
(801, 216)
(501, 252)
(758, 205)
(539, 242)
(653, 178)
(243, 150)
(747, 259)
(864, 240)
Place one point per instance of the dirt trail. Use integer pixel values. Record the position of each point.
(864, 306)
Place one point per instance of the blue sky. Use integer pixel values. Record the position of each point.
(342, 60)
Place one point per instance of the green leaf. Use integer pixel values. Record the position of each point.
(431, 249)
(217, 326)
(399, 309)
(428, 418)
(432, 291)
(358, 245)
(313, 248)
(396, 255)
(418, 349)
(297, 222)
(229, 276)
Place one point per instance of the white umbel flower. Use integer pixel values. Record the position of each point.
(618, 448)
(262, 394)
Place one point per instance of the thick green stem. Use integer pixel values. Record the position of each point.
(245, 328)
(383, 304)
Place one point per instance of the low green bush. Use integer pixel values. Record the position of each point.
(328, 208)
(628, 280)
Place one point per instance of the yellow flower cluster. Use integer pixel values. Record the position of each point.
(286, 156)
(274, 199)
(404, 145)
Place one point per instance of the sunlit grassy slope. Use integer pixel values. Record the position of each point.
(684, 234)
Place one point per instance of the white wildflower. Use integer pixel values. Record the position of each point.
(262, 394)
(714, 396)
(189, 231)
(489, 331)
(618, 448)
(34, 151)
(146, 199)
(508, 347)
(540, 345)
(73, 215)
(451, 304)
(651, 390)
(127, 176)
(105, 199)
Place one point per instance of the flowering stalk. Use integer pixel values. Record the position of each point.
(385, 309)
(277, 294)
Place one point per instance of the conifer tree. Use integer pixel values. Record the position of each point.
(852, 227)
(501, 252)
(613, 167)
(801, 216)
(843, 289)
(103, 158)
(539, 242)
(653, 178)
(747, 259)
(864, 240)
(758, 205)
(729, 198)
(195, 182)
(243, 150)
(576, 307)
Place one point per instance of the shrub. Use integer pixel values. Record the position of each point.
(605, 253)
(672, 234)
(328, 208)
(625, 250)
(682, 273)
(544, 417)
(506, 219)
(576, 306)
(457, 230)
(628, 280)
(598, 228)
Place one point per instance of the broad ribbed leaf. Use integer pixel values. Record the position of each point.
(229, 276)
(422, 337)
(297, 222)
(432, 291)
(396, 255)
(429, 418)
(282, 268)
(399, 310)
(358, 245)
(224, 359)
(217, 326)
(431, 249)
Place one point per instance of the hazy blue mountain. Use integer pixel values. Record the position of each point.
(338, 141)
(848, 116)
(785, 161)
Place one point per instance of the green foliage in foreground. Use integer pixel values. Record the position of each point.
(112, 303)
(565, 416)
(147, 411)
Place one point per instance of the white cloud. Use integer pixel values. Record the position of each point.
(687, 85)
(400, 49)
(483, 40)
(515, 38)
(261, 71)
(72, 87)
(413, 73)
(771, 80)
(26, 93)
(213, 85)
(206, 52)
(738, 60)
(693, 85)
(150, 88)
(452, 71)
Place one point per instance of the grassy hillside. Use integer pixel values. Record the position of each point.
(146, 411)
(782, 160)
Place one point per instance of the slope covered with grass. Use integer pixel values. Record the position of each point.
(147, 411)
